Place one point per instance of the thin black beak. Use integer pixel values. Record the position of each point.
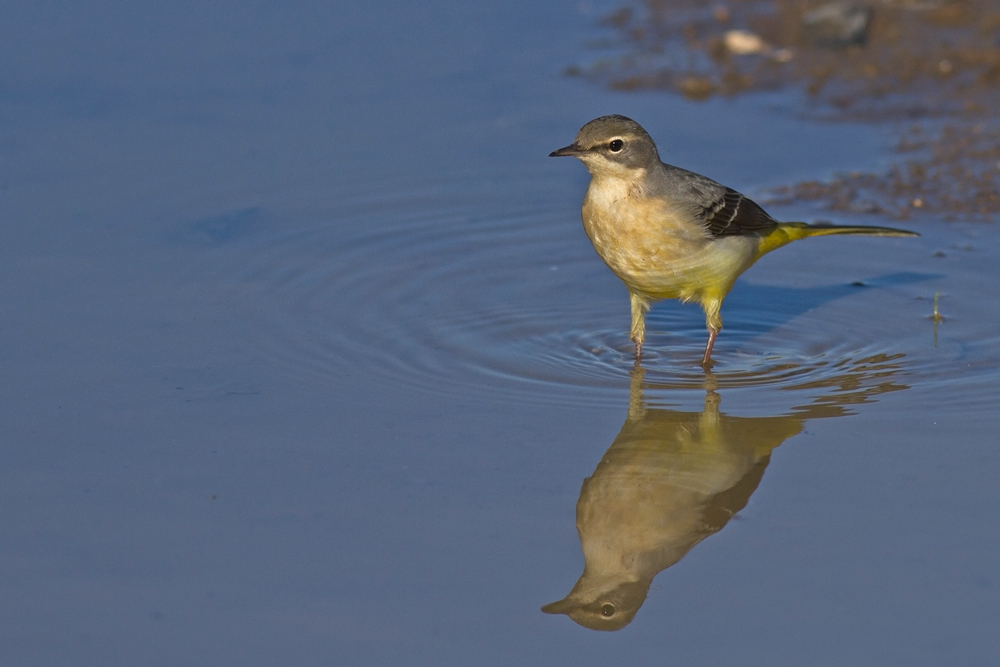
(563, 606)
(568, 151)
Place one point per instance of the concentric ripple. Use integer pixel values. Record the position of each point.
(481, 296)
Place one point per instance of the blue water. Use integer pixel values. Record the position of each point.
(305, 358)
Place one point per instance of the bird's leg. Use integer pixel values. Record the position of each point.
(714, 323)
(706, 361)
(639, 308)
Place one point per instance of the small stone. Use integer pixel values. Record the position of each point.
(837, 25)
(742, 43)
(696, 87)
(782, 55)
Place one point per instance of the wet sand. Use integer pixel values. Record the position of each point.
(925, 73)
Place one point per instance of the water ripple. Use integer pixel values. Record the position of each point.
(454, 297)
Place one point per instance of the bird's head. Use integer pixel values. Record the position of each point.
(611, 606)
(612, 145)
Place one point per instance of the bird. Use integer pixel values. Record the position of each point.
(669, 233)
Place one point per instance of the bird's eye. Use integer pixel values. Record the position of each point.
(608, 609)
(616, 145)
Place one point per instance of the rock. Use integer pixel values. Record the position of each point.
(741, 42)
(837, 25)
(696, 87)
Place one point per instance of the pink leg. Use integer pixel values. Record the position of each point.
(707, 359)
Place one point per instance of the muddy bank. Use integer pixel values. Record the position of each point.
(929, 70)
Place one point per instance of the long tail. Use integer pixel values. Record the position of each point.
(823, 230)
(786, 232)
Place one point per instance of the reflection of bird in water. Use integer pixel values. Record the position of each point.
(669, 480)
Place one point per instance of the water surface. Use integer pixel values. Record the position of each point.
(306, 359)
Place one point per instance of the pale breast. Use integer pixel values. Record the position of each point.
(656, 248)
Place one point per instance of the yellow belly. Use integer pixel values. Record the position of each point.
(659, 254)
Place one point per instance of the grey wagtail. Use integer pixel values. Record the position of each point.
(669, 233)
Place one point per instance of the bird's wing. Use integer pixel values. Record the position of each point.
(721, 210)
(731, 214)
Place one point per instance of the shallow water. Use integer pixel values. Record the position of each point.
(307, 357)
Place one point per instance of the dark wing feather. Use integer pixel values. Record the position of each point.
(732, 214)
